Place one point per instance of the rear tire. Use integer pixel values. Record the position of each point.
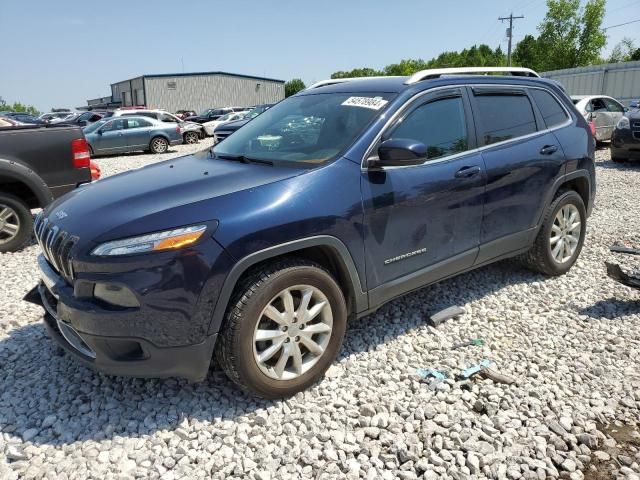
(296, 349)
(158, 145)
(16, 223)
(560, 239)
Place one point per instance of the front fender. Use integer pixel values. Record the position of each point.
(18, 172)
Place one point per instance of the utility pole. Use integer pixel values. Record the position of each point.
(511, 18)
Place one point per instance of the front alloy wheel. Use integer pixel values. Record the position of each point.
(293, 332)
(565, 233)
(283, 328)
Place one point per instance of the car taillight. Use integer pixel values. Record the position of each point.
(592, 126)
(178, 129)
(80, 155)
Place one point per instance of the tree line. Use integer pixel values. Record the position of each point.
(569, 36)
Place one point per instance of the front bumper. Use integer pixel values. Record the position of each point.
(166, 336)
(625, 144)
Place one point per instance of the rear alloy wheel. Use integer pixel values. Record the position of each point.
(191, 137)
(561, 236)
(283, 329)
(159, 145)
(16, 223)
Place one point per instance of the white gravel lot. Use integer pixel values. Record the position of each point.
(572, 342)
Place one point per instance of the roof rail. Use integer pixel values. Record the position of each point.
(333, 81)
(439, 72)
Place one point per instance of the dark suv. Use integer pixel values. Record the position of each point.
(323, 208)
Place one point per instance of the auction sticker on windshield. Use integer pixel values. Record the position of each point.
(374, 103)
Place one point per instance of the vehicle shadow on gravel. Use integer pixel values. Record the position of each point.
(47, 397)
(612, 308)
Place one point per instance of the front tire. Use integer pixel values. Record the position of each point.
(16, 223)
(560, 239)
(158, 145)
(191, 138)
(283, 329)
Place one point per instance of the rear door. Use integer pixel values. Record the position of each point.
(522, 158)
(423, 222)
(138, 132)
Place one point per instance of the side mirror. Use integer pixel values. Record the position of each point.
(626, 109)
(399, 152)
(99, 131)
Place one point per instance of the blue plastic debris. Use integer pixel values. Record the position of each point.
(430, 372)
(471, 371)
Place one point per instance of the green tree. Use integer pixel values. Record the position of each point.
(293, 86)
(357, 72)
(624, 51)
(571, 36)
(527, 53)
(17, 107)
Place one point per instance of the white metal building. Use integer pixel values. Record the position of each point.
(617, 80)
(192, 91)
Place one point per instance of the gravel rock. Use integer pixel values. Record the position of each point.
(572, 343)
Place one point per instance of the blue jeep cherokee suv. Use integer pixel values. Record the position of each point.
(331, 203)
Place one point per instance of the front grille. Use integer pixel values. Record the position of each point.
(636, 125)
(222, 135)
(56, 246)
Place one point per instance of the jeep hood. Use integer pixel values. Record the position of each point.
(169, 194)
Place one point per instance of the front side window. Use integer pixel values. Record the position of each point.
(439, 124)
(504, 116)
(552, 112)
(114, 125)
(307, 129)
(613, 106)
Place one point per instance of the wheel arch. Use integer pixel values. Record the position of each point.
(22, 182)
(579, 181)
(325, 250)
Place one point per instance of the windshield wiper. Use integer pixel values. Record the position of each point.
(242, 158)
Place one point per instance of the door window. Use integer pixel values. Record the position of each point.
(137, 123)
(552, 112)
(598, 105)
(504, 116)
(114, 125)
(164, 117)
(439, 124)
(613, 106)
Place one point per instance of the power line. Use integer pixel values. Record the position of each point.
(621, 24)
(511, 18)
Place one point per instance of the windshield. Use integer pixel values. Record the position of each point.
(256, 111)
(204, 113)
(94, 126)
(309, 129)
(226, 117)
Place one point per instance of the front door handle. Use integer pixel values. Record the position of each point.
(467, 172)
(548, 150)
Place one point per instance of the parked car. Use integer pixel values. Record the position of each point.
(209, 127)
(211, 114)
(260, 252)
(634, 104)
(604, 112)
(130, 134)
(185, 113)
(191, 131)
(625, 142)
(23, 117)
(9, 122)
(47, 117)
(37, 165)
(82, 119)
(223, 131)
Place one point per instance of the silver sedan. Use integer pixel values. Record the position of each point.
(603, 111)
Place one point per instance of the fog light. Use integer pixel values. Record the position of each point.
(116, 295)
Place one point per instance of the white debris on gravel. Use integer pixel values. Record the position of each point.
(572, 343)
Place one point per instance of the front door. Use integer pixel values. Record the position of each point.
(111, 138)
(137, 133)
(423, 222)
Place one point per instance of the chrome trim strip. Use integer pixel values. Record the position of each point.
(404, 107)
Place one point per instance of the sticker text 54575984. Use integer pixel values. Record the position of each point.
(374, 103)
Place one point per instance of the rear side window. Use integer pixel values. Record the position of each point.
(552, 112)
(137, 123)
(505, 116)
(439, 124)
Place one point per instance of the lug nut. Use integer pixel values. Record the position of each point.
(284, 328)
(297, 339)
(286, 340)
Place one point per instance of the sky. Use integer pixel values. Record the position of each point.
(61, 53)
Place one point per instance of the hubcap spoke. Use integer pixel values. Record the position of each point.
(271, 351)
(274, 314)
(282, 361)
(5, 213)
(263, 335)
(317, 328)
(310, 344)
(297, 358)
(287, 300)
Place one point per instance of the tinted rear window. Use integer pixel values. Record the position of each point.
(503, 117)
(552, 113)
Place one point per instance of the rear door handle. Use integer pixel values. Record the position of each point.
(548, 150)
(466, 172)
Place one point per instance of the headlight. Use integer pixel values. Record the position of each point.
(167, 240)
(623, 123)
